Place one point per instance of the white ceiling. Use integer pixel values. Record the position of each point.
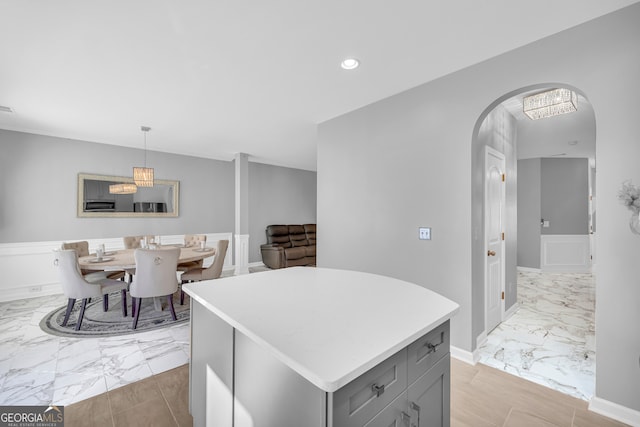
(217, 77)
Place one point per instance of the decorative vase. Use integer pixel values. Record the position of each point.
(634, 223)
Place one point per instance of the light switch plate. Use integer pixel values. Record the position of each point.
(424, 233)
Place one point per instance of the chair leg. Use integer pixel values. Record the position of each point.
(136, 302)
(173, 311)
(81, 315)
(181, 294)
(70, 305)
(124, 302)
(105, 302)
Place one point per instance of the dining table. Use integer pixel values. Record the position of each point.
(124, 259)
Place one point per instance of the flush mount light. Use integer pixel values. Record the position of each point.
(350, 64)
(550, 103)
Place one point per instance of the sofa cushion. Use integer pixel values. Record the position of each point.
(279, 234)
(310, 231)
(295, 253)
(310, 251)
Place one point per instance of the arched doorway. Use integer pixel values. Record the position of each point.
(547, 249)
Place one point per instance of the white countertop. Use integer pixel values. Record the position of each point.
(328, 325)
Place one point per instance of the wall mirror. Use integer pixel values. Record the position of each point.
(95, 200)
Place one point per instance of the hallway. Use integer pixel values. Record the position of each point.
(550, 339)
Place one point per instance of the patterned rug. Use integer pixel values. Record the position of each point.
(97, 323)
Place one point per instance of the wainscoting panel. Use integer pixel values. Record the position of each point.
(565, 253)
(28, 269)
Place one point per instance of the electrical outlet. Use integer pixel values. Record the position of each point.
(424, 233)
(35, 289)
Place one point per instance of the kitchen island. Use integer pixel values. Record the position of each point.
(318, 347)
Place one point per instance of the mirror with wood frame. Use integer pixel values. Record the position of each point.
(98, 197)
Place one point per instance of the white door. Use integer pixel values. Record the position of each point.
(494, 202)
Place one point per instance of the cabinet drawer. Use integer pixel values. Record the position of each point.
(394, 415)
(427, 350)
(361, 399)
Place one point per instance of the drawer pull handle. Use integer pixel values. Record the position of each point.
(377, 389)
(432, 348)
(406, 419)
(414, 406)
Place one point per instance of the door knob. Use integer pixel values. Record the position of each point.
(491, 253)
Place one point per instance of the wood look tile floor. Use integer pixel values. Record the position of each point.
(481, 396)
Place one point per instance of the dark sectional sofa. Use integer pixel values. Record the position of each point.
(289, 246)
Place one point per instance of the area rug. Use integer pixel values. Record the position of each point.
(97, 323)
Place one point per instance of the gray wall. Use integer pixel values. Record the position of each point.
(498, 130)
(406, 161)
(557, 191)
(565, 195)
(38, 177)
(529, 213)
(278, 195)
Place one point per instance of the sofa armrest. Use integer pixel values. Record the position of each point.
(272, 256)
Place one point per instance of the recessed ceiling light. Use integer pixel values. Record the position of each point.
(350, 64)
(5, 109)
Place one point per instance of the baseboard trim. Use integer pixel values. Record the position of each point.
(529, 269)
(510, 312)
(615, 411)
(465, 356)
(481, 339)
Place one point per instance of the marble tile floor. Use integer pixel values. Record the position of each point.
(550, 339)
(41, 369)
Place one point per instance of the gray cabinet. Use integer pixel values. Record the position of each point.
(236, 382)
(410, 389)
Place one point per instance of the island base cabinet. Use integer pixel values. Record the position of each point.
(426, 403)
(236, 382)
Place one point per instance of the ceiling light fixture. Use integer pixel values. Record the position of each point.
(143, 176)
(550, 103)
(123, 188)
(350, 64)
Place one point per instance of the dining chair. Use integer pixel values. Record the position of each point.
(75, 286)
(82, 249)
(155, 276)
(190, 241)
(135, 242)
(212, 272)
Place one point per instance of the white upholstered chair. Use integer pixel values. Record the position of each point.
(135, 242)
(82, 249)
(190, 241)
(76, 287)
(209, 273)
(155, 276)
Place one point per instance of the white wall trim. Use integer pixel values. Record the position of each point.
(465, 356)
(510, 312)
(481, 339)
(28, 269)
(615, 411)
(242, 254)
(529, 269)
(565, 253)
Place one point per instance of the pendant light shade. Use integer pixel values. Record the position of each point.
(143, 176)
(123, 189)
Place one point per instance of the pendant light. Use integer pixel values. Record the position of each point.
(143, 176)
(123, 188)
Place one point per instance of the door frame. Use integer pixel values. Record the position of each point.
(492, 151)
